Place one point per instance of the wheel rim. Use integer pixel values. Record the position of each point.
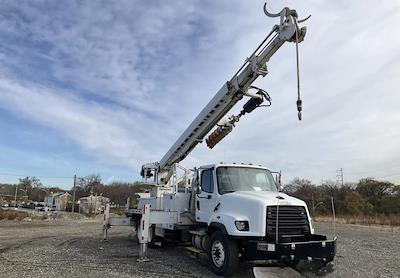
(218, 253)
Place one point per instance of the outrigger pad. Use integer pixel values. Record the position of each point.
(275, 272)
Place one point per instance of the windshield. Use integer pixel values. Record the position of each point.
(231, 179)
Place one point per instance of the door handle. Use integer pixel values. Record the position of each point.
(205, 197)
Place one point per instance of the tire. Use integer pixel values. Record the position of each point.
(223, 254)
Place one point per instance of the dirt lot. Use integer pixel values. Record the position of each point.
(73, 248)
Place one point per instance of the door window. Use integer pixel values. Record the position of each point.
(207, 181)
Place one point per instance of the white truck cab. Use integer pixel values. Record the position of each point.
(237, 195)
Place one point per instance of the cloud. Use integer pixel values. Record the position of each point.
(122, 81)
(92, 126)
(350, 110)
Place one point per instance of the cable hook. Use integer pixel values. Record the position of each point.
(299, 102)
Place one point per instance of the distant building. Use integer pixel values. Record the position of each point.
(61, 200)
(91, 205)
(49, 200)
(57, 201)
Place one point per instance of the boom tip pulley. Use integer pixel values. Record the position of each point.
(287, 15)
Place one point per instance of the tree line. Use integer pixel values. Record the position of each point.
(31, 188)
(117, 192)
(367, 197)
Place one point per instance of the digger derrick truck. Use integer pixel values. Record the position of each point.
(232, 211)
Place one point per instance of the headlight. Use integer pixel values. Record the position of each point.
(242, 225)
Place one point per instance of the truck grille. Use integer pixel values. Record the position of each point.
(292, 222)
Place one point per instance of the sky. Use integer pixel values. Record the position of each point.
(102, 87)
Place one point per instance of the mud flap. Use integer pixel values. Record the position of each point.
(275, 272)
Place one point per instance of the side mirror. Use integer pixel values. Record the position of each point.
(278, 180)
(198, 189)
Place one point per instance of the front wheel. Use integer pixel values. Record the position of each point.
(223, 254)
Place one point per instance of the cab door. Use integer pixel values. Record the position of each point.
(206, 199)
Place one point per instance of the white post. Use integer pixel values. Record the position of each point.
(334, 218)
(106, 217)
(175, 180)
(143, 233)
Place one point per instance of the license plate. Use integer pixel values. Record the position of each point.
(271, 247)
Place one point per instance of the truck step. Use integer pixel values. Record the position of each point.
(158, 243)
(197, 233)
(275, 272)
(195, 251)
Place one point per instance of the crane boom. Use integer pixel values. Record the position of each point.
(231, 92)
(217, 214)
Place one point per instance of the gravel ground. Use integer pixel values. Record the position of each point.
(73, 248)
(365, 251)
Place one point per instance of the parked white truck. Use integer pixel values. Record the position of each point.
(230, 211)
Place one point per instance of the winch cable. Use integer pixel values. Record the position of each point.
(299, 102)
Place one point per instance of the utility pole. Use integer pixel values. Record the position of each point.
(313, 204)
(15, 197)
(73, 195)
(339, 176)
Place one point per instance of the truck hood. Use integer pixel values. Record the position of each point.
(265, 197)
(249, 206)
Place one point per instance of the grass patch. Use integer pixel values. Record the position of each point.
(12, 214)
(361, 219)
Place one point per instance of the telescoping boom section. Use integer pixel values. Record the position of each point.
(232, 91)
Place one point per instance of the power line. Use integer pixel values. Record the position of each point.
(392, 175)
(375, 170)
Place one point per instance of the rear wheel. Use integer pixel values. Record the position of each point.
(223, 254)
